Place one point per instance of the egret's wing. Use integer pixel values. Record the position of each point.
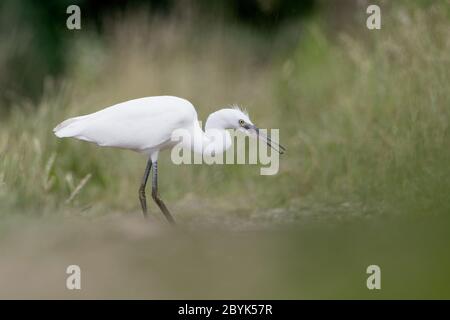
(136, 124)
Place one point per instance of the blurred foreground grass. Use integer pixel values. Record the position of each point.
(120, 257)
(366, 179)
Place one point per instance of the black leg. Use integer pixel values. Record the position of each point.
(155, 195)
(142, 188)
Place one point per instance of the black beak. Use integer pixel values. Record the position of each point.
(272, 144)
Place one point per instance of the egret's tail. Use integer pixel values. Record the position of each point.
(68, 128)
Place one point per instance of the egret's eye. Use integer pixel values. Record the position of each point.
(241, 122)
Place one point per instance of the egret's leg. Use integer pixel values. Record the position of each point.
(155, 195)
(142, 188)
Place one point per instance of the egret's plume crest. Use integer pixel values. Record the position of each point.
(243, 110)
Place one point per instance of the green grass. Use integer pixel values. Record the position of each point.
(364, 116)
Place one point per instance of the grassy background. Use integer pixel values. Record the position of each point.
(366, 178)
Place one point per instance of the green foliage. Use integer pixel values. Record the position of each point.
(372, 115)
(364, 117)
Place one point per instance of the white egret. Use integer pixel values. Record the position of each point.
(146, 125)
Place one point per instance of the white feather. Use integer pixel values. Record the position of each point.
(142, 124)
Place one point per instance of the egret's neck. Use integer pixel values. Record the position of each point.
(214, 140)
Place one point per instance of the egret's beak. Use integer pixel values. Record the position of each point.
(272, 144)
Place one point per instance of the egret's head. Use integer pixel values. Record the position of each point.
(237, 118)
